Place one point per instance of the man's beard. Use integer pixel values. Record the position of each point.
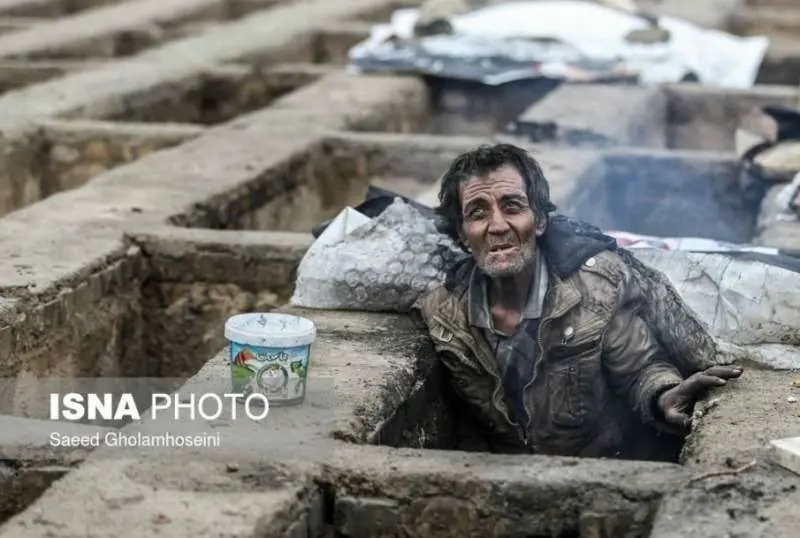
(510, 265)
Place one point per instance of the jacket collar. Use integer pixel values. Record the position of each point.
(566, 245)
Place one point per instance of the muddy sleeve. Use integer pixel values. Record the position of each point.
(632, 358)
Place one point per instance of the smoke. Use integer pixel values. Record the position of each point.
(667, 194)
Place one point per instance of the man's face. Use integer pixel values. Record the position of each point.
(498, 224)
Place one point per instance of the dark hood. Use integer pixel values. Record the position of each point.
(568, 243)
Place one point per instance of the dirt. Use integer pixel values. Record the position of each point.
(746, 415)
(210, 476)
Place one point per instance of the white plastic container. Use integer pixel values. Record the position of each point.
(269, 354)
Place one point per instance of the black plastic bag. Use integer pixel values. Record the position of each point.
(376, 202)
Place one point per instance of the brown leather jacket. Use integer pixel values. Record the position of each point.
(594, 391)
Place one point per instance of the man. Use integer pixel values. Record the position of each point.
(541, 332)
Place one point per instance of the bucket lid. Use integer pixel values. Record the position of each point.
(270, 330)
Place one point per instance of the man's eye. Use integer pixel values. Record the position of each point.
(476, 214)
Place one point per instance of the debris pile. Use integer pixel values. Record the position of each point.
(503, 41)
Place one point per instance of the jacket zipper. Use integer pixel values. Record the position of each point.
(563, 309)
(523, 435)
(537, 363)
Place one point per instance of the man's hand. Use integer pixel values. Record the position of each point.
(676, 402)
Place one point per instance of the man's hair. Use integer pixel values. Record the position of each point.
(482, 161)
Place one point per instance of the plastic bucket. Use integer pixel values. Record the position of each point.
(269, 354)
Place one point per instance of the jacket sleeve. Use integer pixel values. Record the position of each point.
(632, 357)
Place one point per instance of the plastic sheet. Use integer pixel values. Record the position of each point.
(746, 303)
(382, 265)
(567, 40)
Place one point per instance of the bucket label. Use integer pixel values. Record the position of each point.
(279, 373)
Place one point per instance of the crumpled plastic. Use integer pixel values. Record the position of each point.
(565, 40)
(746, 303)
(383, 265)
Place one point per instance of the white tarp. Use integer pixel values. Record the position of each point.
(507, 41)
(746, 303)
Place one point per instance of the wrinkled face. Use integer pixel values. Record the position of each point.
(498, 224)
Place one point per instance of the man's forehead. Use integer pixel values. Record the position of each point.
(503, 181)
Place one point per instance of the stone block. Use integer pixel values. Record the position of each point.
(360, 517)
(786, 453)
(593, 115)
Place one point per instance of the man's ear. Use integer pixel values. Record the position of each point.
(541, 225)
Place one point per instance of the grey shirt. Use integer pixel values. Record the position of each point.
(515, 353)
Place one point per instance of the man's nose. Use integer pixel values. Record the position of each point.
(497, 222)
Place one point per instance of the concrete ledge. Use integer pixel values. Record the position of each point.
(75, 34)
(441, 493)
(173, 496)
(99, 93)
(16, 74)
(227, 163)
(594, 115)
(760, 501)
(765, 20)
(13, 24)
(76, 151)
(333, 43)
(701, 118)
(27, 441)
(425, 157)
(738, 423)
(47, 8)
(711, 14)
(191, 254)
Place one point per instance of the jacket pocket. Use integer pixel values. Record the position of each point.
(444, 341)
(570, 390)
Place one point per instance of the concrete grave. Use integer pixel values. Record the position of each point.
(162, 166)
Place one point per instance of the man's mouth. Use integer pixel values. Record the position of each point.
(505, 247)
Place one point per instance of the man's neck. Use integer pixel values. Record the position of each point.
(511, 292)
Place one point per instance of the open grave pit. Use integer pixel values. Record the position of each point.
(118, 29)
(80, 124)
(218, 96)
